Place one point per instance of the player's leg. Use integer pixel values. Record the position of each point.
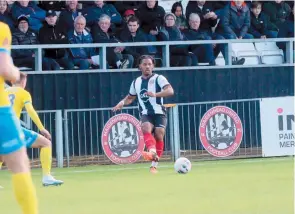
(159, 133)
(15, 156)
(1, 162)
(34, 140)
(150, 142)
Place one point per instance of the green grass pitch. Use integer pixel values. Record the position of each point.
(250, 186)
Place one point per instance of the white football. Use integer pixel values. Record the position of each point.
(182, 165)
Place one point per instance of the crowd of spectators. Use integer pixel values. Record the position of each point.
(83, 22)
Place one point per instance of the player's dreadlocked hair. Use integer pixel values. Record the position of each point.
(147, 57)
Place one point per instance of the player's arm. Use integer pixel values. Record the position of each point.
(167, 89)
(166, 92)
(126, 101)
(34, 116)
(8, 71)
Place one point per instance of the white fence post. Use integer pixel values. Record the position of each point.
(59, 138)
(174, 132)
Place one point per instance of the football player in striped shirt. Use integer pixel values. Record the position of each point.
(150, 89)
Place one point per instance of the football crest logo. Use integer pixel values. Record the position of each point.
(122, 139)
(221, 131)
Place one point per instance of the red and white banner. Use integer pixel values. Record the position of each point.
(277, 126)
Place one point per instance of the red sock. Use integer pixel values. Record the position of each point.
(160, 148)
(150, 141)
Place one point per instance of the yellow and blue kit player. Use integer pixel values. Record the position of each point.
(19, 99)
(12, 148)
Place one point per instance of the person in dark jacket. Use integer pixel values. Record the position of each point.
(134, 34)
(203, 52)
(81, 57)
(177, 10)
(179, 54)
(278, 11)
(236, 21)
(67, 16)
(115, 56)
(261, 27)
(5, 16)
(53, 33)
(26, 57)
(52, 5)
(92, 14)
(34, 13)
(151, 16)
(205, 11)
(122, 6)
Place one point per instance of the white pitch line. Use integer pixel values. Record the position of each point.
(205, 163)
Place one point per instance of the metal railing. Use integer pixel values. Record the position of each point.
(53, 122)
(76, 137)
(165, 53)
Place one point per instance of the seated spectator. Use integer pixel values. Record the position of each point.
(203, 52)
(52, 5)
(287, 31)
(67, 16)
(261, 27)
(5, 16)
(134, 34)
(29, 9)
(92, 14)
(236, 21)
(205, 11)
(151, 16)
(177, 10)
(179, 54)
(26, 57)
(278, 11)
(126, 16)
(115, 58)
(122, 6)
(81, 57)
(54, 33)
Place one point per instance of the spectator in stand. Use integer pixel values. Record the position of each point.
(207, 15)
(122, 6)
(67, 17)
(151, 16)
(115, 58)
(92, 14)
(179, 54)
(29, 9)
(177, 10)
(279, 12)
(126, 16)
(10, 4)
(134, 34)
(81, 57)
(26, 57)
(53, 33)
(5, 16)
(203, 52)
(287, 31)
(236, 21)
(52, 5)
(261, 27)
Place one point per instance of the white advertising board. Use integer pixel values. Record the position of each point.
(277, 126)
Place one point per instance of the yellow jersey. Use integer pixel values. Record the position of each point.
(20, 98)
(5, 46)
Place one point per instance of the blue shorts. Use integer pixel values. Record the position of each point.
(30, 137)
(11, 135)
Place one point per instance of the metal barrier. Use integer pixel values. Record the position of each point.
(165, 53)
(77, 139)
(83, 129)
(52, 121)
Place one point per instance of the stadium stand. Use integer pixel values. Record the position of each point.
(277, 14)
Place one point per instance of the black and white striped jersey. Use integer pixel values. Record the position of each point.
(149, 105)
